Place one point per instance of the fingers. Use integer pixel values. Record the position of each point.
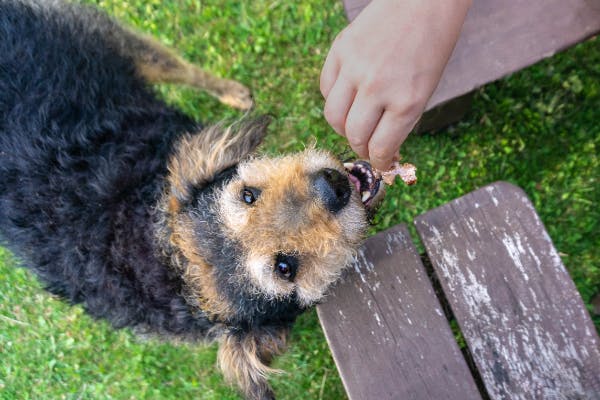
(372, 132)
(390, 133)
(361, 121)
(329, 72)
(337, 104)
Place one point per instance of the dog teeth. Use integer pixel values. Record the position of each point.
(365, 196)
(348, 165)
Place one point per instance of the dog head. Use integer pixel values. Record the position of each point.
(261, 238)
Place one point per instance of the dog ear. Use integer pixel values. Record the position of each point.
(200, 157)
(244, 359)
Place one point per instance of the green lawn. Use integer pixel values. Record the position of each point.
(538, 129)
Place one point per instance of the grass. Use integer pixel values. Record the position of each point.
(538, 129)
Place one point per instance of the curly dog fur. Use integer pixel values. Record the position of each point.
(127, 206)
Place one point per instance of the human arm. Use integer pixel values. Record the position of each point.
(382, 69)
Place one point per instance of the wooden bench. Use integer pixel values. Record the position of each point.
(489, 264)
(497, 39)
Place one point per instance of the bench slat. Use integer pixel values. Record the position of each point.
(501, 37)
(522, 317)
(386, 329)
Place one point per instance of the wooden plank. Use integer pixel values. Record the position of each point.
(445, 114)
(387, 331)
(501, 37)
(354, 7)
(524, 322)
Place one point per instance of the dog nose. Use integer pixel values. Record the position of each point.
(332, 188)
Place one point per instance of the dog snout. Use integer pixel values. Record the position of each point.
(332, 188)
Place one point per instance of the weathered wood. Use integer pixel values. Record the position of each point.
(501, 37)
(445, 114)
(354, 7)
(387, 331)
(522, 317)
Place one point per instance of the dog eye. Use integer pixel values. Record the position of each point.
(250, 195)
(286, 266)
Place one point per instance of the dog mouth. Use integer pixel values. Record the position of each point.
(365, 180)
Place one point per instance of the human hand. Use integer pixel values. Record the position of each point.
(382, 69)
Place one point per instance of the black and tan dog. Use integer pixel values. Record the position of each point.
(125, 205)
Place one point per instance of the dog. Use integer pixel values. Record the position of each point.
(148, 219)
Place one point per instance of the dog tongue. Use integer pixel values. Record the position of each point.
(355, 181)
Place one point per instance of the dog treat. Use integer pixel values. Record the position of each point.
(406, 171)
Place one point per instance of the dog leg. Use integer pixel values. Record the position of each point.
(156, 63)
(244, 358)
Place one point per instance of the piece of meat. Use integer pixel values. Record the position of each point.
(406, 171)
